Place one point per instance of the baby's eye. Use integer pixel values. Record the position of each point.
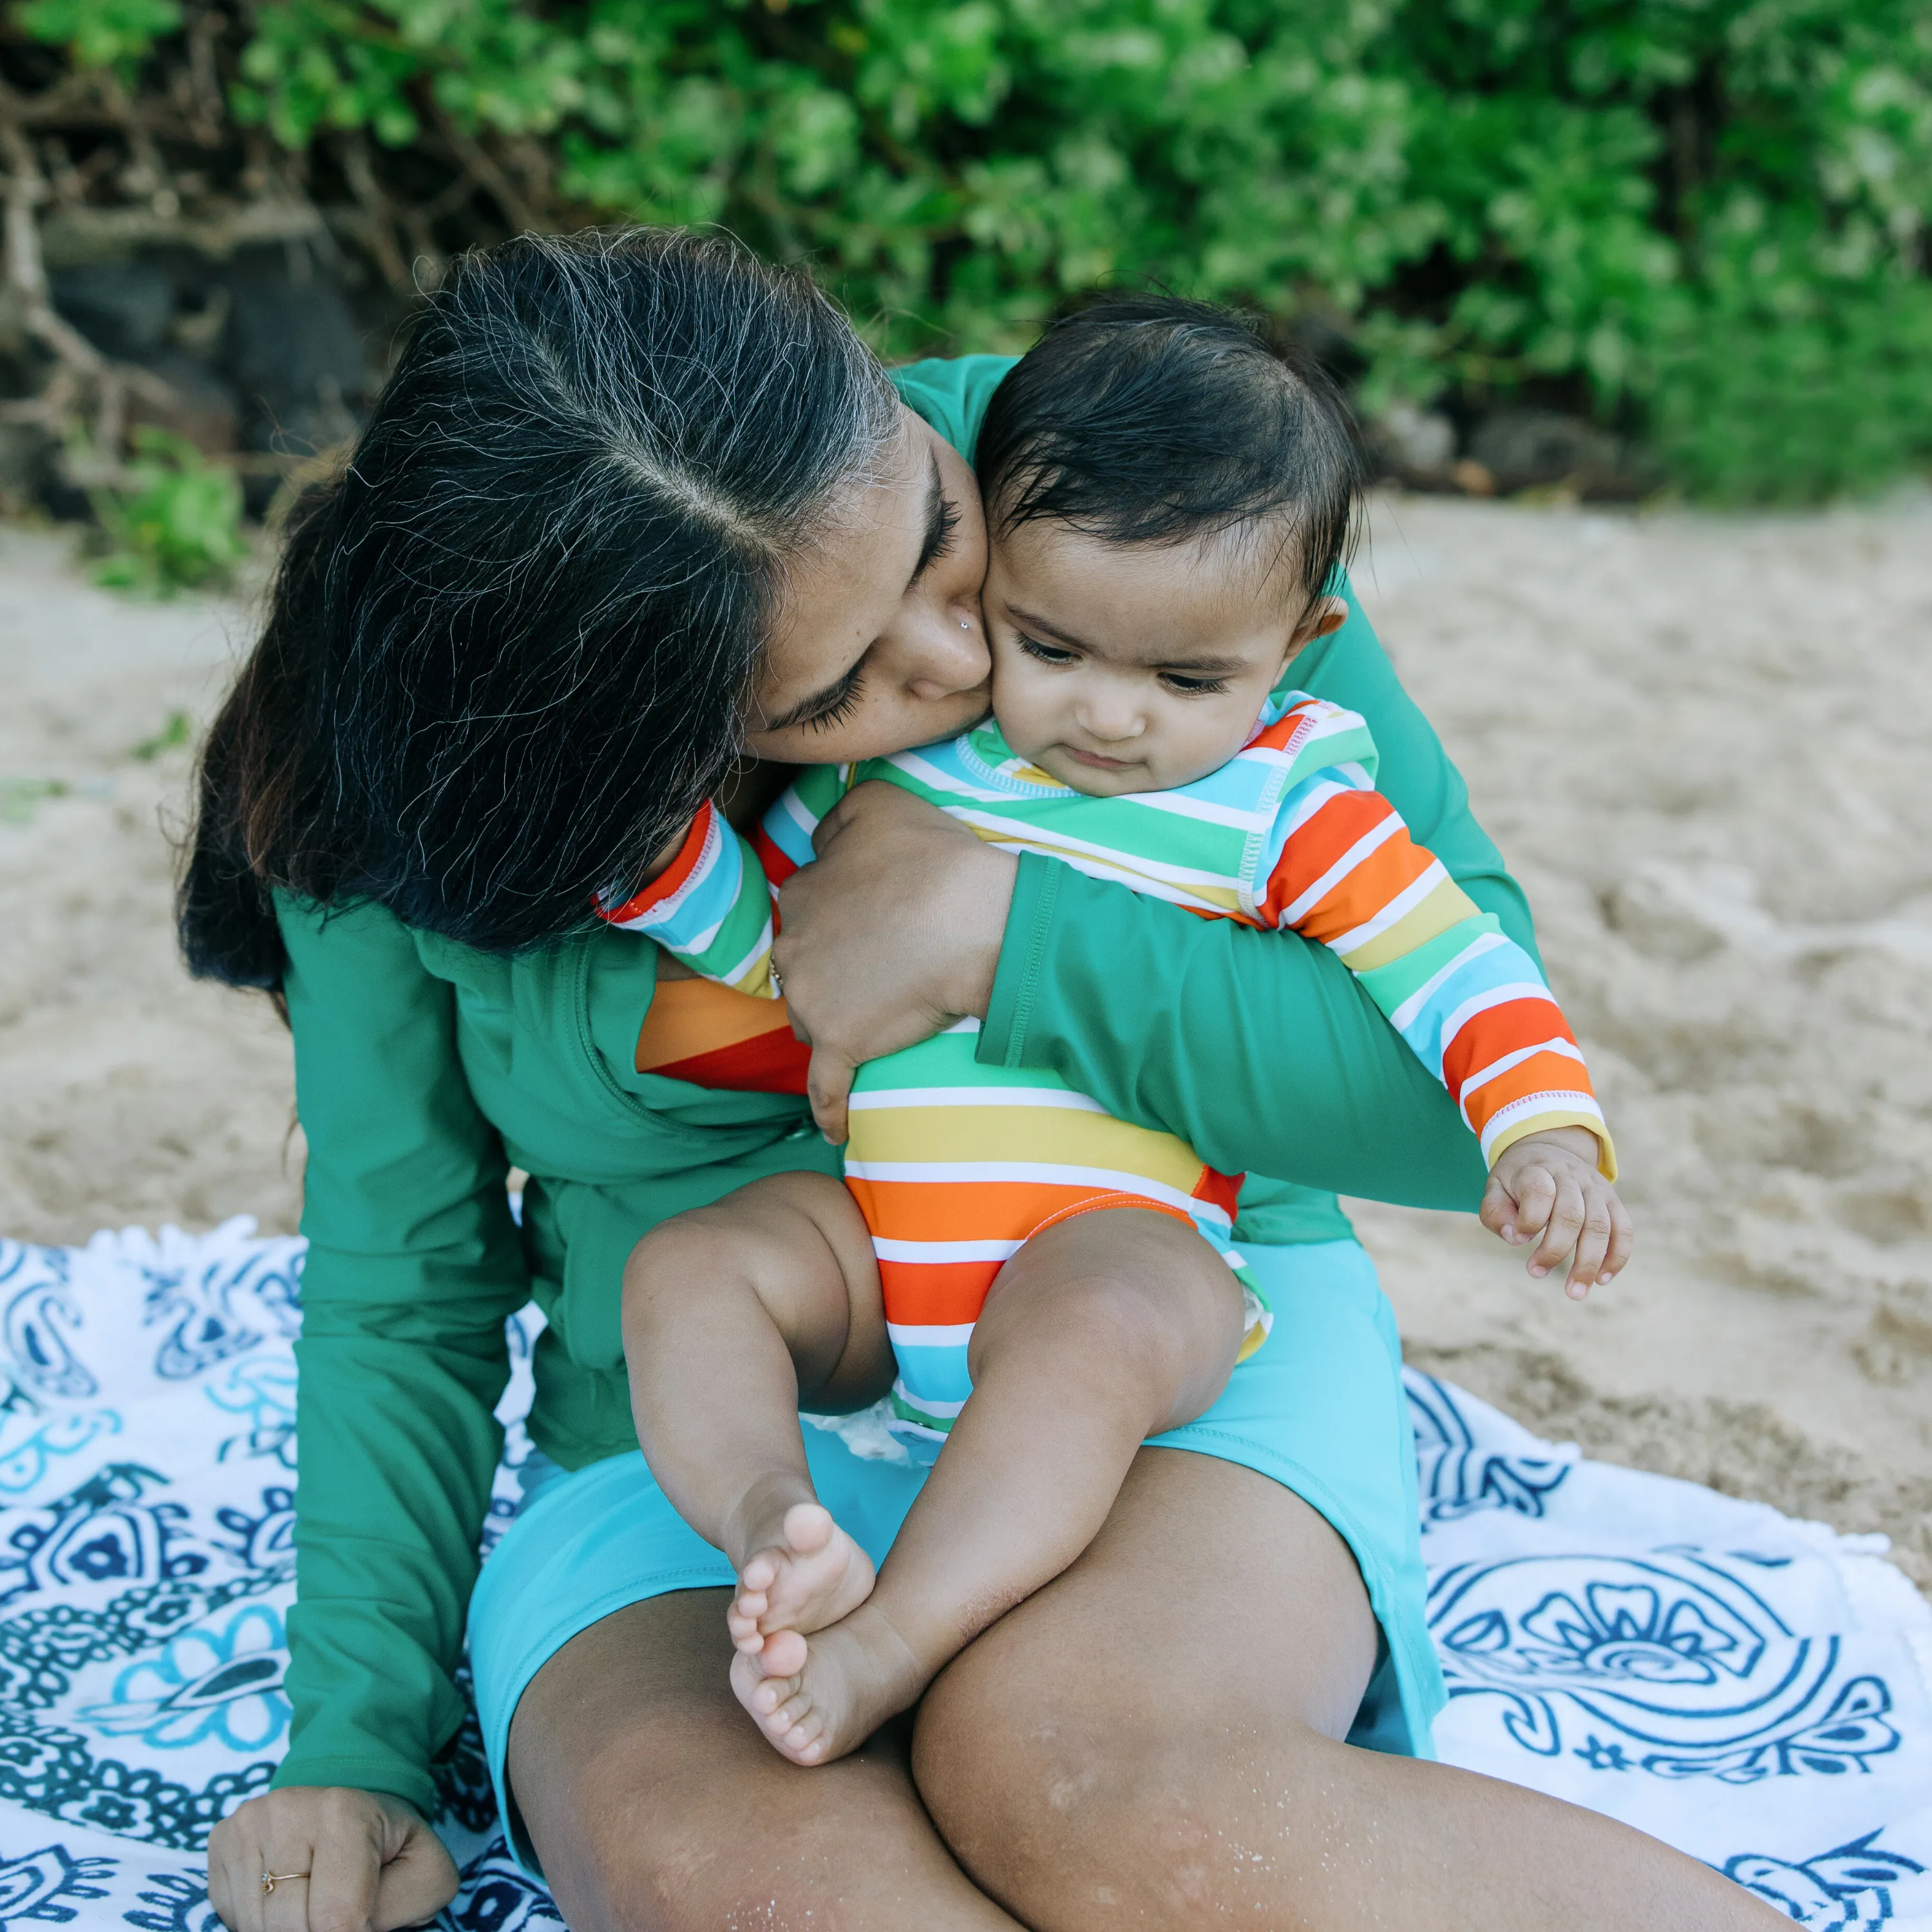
(1193, 687)
(1051, 654)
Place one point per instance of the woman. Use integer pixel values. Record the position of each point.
(628, 509)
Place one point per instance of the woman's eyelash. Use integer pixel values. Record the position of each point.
(840, 707)
(939, 539)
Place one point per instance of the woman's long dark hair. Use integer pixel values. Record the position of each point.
(509, 646)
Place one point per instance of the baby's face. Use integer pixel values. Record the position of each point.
(1119, 668)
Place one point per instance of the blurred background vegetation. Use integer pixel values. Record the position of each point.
(1606, 245)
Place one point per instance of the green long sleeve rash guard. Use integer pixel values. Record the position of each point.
(424, 1069)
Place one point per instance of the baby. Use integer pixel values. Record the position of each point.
(1169, 502)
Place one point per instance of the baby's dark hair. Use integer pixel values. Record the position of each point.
(1147, 419)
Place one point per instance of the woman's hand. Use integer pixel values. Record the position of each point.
(371, 1863)
(892, 935)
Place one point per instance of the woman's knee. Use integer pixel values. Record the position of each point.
(1062, 1814)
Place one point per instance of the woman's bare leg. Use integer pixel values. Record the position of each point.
(1153, 1740)
(1103, 1330)
(655, 1805)
(731, 1313)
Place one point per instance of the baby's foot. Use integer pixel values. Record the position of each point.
(856, 1674)
(808, 1574)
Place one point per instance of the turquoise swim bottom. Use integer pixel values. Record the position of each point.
(1319, 1408)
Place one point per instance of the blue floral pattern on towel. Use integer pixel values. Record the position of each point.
(1750, 1687)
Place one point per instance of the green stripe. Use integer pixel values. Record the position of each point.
(1389, 985)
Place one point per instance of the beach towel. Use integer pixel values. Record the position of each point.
(1753, 1689)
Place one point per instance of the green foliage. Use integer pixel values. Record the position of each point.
(1706, 216)
(101, 33)
(174, 735)
(176, 522)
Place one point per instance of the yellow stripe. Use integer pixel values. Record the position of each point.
(1050, 1134)
(1448, 905)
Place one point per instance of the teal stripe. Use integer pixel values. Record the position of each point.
(1389, 985)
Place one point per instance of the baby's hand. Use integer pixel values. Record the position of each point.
(1547, 1184)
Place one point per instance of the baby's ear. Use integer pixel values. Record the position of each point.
(1325, 615)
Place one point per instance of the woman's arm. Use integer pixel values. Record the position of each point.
(1257, 1047)
(413, 1264)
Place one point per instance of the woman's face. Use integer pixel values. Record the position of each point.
(878, 643)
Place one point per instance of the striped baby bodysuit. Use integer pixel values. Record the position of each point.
(954, 1164)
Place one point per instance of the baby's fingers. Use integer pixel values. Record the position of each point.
(1622, 1233)
(1535, 1197)
(1498, 1211)
(1565, 1222)
(1593, 1244)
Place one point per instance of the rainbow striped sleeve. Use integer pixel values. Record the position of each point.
(1341, 869)
(714, 905)
(784, 840)
(709, 907)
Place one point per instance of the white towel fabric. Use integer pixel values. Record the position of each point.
(1752, 1689)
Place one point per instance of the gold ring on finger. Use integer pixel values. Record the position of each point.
(271, 1880)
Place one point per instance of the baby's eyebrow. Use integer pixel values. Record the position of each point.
(1202, 667)
(1029, 620)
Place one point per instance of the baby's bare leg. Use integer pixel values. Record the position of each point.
(1101, 1331)
(731, 1314)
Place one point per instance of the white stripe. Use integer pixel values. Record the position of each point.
(794, 810)
(1343, 867)
(954, 1336)
(1146, 886)
(1404, 903)
(1178, 805)
(1036, 1174)
(933, 1251)
(1404, 1013)
(1496, 1068)
(752, 958)
(1517, 1111)
(975, 1096)
(949, 783)
(1056, 844)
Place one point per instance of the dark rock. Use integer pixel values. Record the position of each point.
(1417, 445)
(1529, 449)
(123, 308)
(205, 409)
(295, 353)
(26, 455)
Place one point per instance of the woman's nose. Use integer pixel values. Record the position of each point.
(947, 653)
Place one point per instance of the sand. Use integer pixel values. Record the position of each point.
(1700, 741)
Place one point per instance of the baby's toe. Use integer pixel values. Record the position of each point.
(807, 1527)
(782, 1654)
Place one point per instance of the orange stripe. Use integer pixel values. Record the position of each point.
(1374, 884)
(927, 1293)
(1323, 842)
(1223, 1190)
(1544, 1073)
(672, 877)
(963, 1211)
(1502, 1030)
(687, 1017)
